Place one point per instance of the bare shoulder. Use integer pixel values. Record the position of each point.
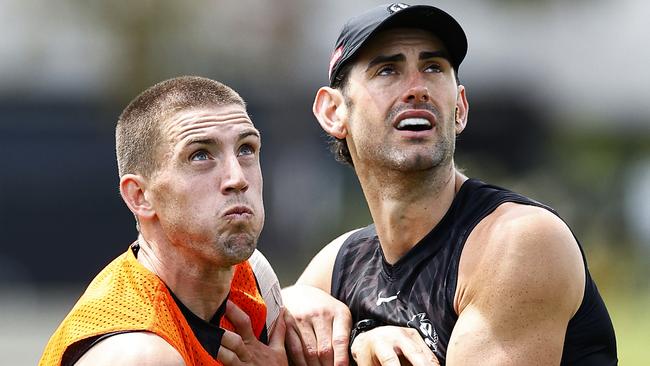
(319, 271)
(133, 348)
(527, 229)
(524, 251)
(521, 279)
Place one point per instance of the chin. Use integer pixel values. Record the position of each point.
(238, 248)
(416, 162)
(427, 160)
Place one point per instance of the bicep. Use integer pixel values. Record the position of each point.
(524, 289)
(133, 348)
(499, 339)
(319, 271)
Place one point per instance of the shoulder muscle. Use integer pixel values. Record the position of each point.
(522, 247)
(521, 279)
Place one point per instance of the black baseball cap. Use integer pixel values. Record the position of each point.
(358, 30)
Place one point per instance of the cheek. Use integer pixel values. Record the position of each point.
(257, 186)
(260, 198)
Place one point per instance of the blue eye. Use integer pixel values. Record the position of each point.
(246, 149)
(433, 68)
(386, 70)
(200, 156)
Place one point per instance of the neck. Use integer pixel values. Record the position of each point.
(406, 206)
(201, 287)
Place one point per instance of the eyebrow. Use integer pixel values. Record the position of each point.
(245, 134)
(400, 57)
(383, 59)
(210, 141)
(433, 54)
(200, 141)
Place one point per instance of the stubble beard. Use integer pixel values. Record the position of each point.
(237, 247)
(413, 161)
(224, 249)
(388, 156)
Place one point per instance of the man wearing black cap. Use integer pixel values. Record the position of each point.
(452, 270)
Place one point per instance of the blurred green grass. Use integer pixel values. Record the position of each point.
(621, 273)
(630, 314)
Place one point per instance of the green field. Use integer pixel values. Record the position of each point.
(631, 317)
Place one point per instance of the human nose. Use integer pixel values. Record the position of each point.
(234, 180)
(417, 91)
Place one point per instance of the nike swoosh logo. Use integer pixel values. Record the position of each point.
(382, 300)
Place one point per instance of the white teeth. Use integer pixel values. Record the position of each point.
(413, 122)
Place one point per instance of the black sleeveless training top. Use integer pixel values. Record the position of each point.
(418, 291)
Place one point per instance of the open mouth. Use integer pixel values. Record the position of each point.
(414, 124)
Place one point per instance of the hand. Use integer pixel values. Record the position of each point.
(243, 348)
(392, 346)
(318, 327)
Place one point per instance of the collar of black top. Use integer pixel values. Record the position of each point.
(358, 30)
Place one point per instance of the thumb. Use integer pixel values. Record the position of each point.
(277, 337)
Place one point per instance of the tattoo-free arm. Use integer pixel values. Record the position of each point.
(133, 348)
(519, 290)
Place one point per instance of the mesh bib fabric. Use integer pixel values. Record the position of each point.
(125, 296)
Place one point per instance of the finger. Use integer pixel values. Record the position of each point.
(241, 321)
(426, 358)
(293, 342)
(361, 351)
(323, 332)
(234, 347)
(276, 341)
(417, 352)
(341, 336)
(309, 344)
(386, 356)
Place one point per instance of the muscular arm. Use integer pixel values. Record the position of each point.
(134, 348)
(521, 279)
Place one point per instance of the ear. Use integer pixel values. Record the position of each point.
(331, 111)
(132, 190)
(462, 109)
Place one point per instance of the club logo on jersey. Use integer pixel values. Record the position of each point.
(395, 7)
(383, 300)
(425, 328)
